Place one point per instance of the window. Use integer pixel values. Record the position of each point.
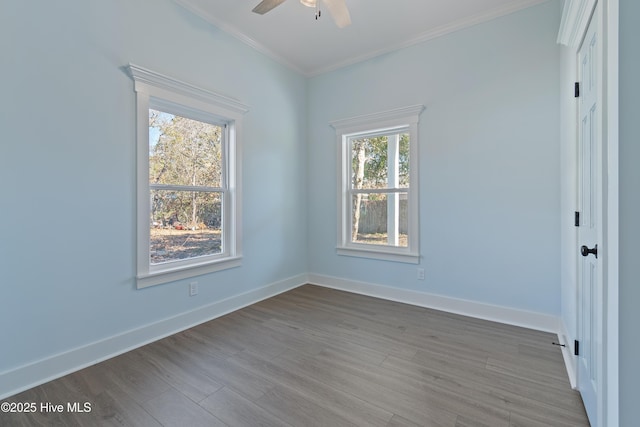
(378, 185)
(188, 149)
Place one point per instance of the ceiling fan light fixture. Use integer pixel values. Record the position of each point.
(337, 9)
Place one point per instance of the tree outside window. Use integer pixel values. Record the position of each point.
(185, 178)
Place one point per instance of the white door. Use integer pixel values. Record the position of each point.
(590, 295)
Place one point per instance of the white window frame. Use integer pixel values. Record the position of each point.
(405, 119)
(157, 91)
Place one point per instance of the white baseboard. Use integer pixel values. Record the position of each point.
(567, 354)
(56, 366)
(33, 374)
(510, 316)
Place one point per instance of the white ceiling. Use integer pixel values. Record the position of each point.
(291, 35)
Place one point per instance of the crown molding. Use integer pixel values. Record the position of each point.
(511, 7)
(233, 31)
(435, 33)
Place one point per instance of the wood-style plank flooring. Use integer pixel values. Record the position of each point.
(320, 357)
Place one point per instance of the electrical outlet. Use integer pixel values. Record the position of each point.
(193, 289)
(421, 274)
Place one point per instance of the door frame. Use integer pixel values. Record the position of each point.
(575, 20)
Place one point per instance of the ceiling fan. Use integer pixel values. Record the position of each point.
(337, 9)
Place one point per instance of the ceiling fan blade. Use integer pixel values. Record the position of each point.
(339, 12)
(266, 5)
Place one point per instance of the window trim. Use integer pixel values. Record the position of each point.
(374, 124)
(158, 91)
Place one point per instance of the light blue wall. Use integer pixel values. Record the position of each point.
(67, 167)
(489, 159)
(629, 212)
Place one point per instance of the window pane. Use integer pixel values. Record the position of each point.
(380, 161)
(184, 151)
(379, 219)
(185, 224)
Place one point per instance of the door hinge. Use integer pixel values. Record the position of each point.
(576, 219)
(576, 348)
(576, 89)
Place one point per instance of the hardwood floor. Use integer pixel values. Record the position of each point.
(320, 357)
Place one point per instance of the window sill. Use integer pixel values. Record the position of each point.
(173, 274)
(380, 254)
